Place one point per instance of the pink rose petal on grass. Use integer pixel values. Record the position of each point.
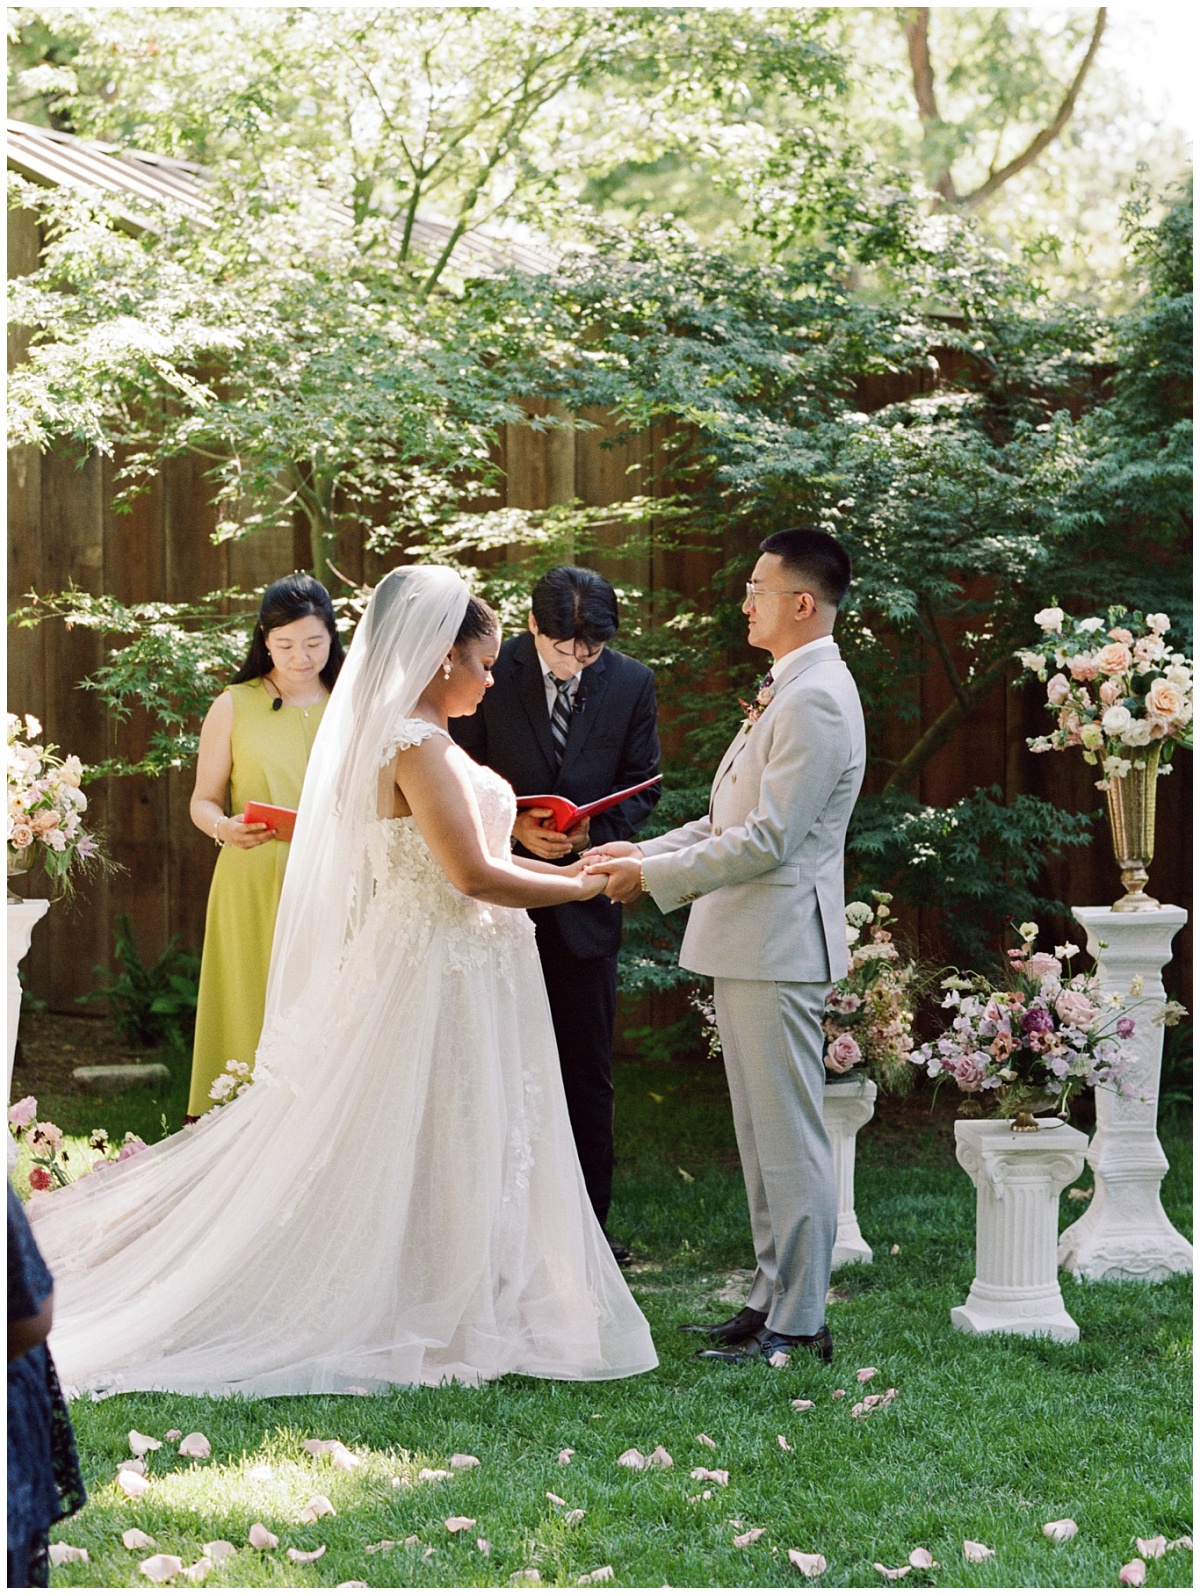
(260, 1537)
(892, 1573)
(704, 1439)
(133, 1485)
(1183, 1543)
(1133, 1573)
(660, 1458)
(134, 1465)
(837, 1395)
(61, 1553)
(319, 1506)
(195, 1445)
(778, 1359)
(136, 1540)
(895, 1251)
(352, 1583)
(599, 1575)
(564, 1456)
(199, 1569)
(748, 1538)
(173, 1434)
(976, 1551)
(139, 1444)
(485, 1546)
(712, 1475)
(864, 1375)
(1061, 1530)
(920, 1557)
(219, 1550)
(463, 1459)
(317, 1448)
(1153, 1548)
(576, 1515)
(433, 1475)
(632, 1458)
(803, 1406)
(456, 1524)
(305, 1556)
(161, 1569)
(811, 1563)
(783, 1445)
(557, 1499)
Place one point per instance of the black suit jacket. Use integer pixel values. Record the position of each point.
(612, 744)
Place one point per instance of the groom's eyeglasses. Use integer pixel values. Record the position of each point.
(753, 592)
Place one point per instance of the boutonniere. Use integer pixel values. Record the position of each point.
(752, 710)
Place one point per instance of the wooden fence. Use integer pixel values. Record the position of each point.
(62, 528)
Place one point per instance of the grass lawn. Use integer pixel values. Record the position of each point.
(988, 1438)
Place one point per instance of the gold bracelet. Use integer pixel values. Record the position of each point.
(217, 831)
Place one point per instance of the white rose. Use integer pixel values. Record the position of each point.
(1159, 622)
(1049, 619)
(1034, 662)
(1137, 734)
(1116, 720)
(1180, 675)
(1090, 625)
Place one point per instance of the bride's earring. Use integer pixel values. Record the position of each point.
(446, 669)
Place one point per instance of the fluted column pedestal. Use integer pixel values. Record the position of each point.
(1125, 1234)
(23, 915)
(849, 1104)
(1018, 1177)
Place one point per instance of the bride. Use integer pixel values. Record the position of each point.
(396, 1199)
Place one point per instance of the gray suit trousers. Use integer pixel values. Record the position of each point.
(774, 1048)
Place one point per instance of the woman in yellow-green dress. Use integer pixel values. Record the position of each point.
(254, 747)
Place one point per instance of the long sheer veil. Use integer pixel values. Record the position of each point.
(409, 626)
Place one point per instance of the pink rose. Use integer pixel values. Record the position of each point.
(47, 820)
(1110, 692)
(1058, 689)
(40, 1179)
(844, 1052)
(131, 1149)
(1074, 1008)
(1039, 965)
(1119, 634)
(1165, 700)
(1082, 667)
(1125, 1027)
(23, 1112)
(1114, 660)
(968, 1075)
(22, 835)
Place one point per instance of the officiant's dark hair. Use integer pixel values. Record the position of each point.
(292, 598)
(813, 556)
(570, 602)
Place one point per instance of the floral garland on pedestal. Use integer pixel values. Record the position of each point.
(869, 1014)
(45, 807)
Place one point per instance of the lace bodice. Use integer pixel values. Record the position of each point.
(401, 855)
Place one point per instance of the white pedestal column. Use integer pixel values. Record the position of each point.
(849, 1104)
(1125, 1234)
(1018, 1176)
(23, 915)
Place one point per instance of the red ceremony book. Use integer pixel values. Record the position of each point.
(281, 821)
(565, 816)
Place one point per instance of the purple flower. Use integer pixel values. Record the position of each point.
(1037, 1021)
(1125, 1027)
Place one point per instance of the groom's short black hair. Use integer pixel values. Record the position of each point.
(814, 556)
(570, 602)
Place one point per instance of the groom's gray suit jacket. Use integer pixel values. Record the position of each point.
(764, 869)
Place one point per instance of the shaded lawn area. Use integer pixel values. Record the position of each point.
(988, 1439)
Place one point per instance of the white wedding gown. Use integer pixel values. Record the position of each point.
(413, 1213)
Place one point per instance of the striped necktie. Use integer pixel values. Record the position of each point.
(560, 718)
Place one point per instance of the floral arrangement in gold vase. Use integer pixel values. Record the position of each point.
(1120, 694)
(46, 804)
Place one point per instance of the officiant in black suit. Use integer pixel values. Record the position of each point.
(570, 715)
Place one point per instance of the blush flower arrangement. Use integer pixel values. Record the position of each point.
(52, 1164)
(46, 803)
(1118, 691)
(869, 1014)
(1043, 1036)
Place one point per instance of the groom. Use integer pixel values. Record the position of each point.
(764, 872)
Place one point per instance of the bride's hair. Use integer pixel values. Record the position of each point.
(480, 620)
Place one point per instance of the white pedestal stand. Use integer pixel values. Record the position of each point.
(849, 1104)
(23, 915)
(1018, 1175)
(1125, 1234)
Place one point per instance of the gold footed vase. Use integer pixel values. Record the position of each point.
(1131, 801)
(20, 859)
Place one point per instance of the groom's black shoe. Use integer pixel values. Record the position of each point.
(748, 1322)
(619, 1250)
(767, 1343)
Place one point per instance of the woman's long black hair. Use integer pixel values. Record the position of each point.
(292, 598)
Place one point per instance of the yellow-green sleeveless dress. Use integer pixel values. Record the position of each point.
(270, 754)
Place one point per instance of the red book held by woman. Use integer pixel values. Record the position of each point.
(281, 821)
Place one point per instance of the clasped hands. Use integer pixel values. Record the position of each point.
(621, 862)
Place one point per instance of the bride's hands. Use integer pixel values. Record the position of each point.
(590, 884)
